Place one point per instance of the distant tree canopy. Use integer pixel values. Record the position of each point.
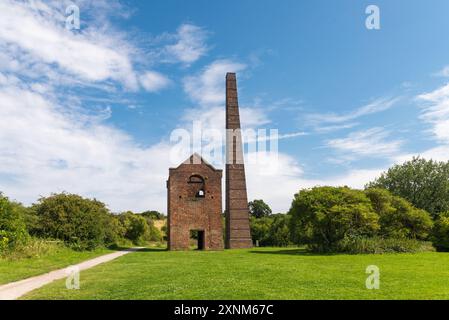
(424, 183)
(271, 230)
(259, 209)
(324, 217)
(155, 215)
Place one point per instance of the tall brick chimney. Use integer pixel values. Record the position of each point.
(238, 234)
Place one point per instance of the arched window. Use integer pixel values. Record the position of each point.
(197, 186)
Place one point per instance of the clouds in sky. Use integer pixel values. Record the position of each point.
(50, 141)
(190, 44)
(153, 81)
(373, 142)
(327, 122)
(435, 111)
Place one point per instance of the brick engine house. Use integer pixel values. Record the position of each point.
(195, 205)
(195, 195)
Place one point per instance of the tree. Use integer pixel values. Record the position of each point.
(82, 223)
(259, 209)
(397, 217)
(279, 232)
(323, 216)
(260, 229)
(440, 233)
(423, 183)
(136, 227)
(155, 215)
(12, 224)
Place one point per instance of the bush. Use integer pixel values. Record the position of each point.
(279, 232)
(323, 216)
(12, 225)
(81, 223)
(423, 183)
(360, 245)
(440, 232)
(260, 229)
(397, 217)
(136, 227)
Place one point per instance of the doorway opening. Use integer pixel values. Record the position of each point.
(197, 239)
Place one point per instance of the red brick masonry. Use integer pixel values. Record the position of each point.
(238, 234)
(194, 203)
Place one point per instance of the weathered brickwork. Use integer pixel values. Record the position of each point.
(195, 204)
(238, 233)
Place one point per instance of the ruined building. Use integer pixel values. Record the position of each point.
(195, 196)
(194, 204)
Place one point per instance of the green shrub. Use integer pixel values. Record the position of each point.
(279, 232)
(79, 222)
(12, 225)
(440, 232)
(397, 217)
(260, 229)
(377, 245)
(136, 227)
(323, 216)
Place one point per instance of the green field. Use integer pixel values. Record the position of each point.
(270, 273)
(13, 270)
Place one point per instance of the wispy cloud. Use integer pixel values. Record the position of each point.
(443, 72)
(435, 111)
(190, 44)
(153, 81)
(207, 87)
(326, 122)
(367, 143)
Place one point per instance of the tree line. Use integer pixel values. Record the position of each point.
(405, 210)
(82, 224)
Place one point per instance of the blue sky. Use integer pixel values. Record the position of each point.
(91, 111)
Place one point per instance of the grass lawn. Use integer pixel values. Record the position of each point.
(269, 273)
(11, 270)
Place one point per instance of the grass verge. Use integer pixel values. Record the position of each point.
(265, 273)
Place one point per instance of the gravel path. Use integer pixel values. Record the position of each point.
(15, 290)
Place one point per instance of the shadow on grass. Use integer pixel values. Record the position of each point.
(152, 250)
(295, 252)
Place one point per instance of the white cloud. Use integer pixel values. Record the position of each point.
(44, 150)
(326, 122)
(207, 88)
(190, 44)
(154, 81)
(372, 142)
(443, 72)
(90, 55)
(435, 111)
